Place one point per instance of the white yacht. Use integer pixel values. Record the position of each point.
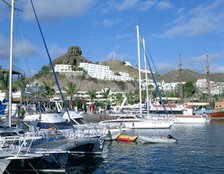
(84, 143)
(136, 122)
(83, 127)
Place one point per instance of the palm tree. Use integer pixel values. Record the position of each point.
(132, 97)
(71, 90)
(92, 94)
(105, 93)
(48, 91)
(119, 98)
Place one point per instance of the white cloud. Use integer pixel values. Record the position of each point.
(162, 5)
(113, 55)
(123, 36)
(109, 23)
(24, 48)
(57, 9)
(143, 6)
(127, 4)
(139, 5)
(56, 51)
(165, 67)
(216, 69)
(205, 18)
(199, 63)
(211, 57)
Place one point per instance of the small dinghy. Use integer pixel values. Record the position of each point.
(168, 139)
(126, 138)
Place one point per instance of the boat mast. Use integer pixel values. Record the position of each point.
(146, 78)
(208, 80)
(10, 63)
(139, 72)
(180, 79)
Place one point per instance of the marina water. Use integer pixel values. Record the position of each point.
(199, 150)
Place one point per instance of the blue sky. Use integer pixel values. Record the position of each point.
(194, 28)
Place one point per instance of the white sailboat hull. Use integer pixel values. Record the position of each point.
(141, 124)
(190, 119)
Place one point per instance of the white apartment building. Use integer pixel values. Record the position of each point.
(63, 68)
(201, 83)
(216, 87)
(103, 72)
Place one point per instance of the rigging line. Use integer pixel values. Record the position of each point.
(147, 48)
(20, 36)
(11, 6)
(157, 72)
(157, 88)
(52, 67)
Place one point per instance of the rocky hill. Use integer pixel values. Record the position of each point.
(72, 57)
(85, 82)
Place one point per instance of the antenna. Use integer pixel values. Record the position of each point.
(208, 80)
(180, 79)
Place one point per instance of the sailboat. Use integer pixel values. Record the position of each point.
(187, 116)
(160, 121)
(43, 148)
(218, 112)
(27, 146)
(134, 121)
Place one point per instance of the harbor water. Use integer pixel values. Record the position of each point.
(199, 150)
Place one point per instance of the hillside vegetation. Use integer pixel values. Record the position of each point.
(84, 82)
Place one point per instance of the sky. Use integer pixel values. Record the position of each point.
(104, 28)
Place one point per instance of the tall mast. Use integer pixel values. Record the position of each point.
(146, 78)
(208, 80)
(10, 62)
(180, 79)
(139, 72)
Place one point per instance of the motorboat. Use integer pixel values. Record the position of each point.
(83, 127)
(136, 122)
(160, 139)
(33, 151)
(83, 142)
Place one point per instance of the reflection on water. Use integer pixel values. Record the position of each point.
(199, 150)
(84, 163)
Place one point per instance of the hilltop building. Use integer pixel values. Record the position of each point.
(63, 68)
(100, 72)
(103, 72)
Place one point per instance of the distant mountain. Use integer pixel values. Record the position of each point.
(217, 77)
(189, 75)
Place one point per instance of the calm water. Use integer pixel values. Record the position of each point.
(199, 150)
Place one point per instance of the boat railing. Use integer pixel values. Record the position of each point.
(16, 146)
